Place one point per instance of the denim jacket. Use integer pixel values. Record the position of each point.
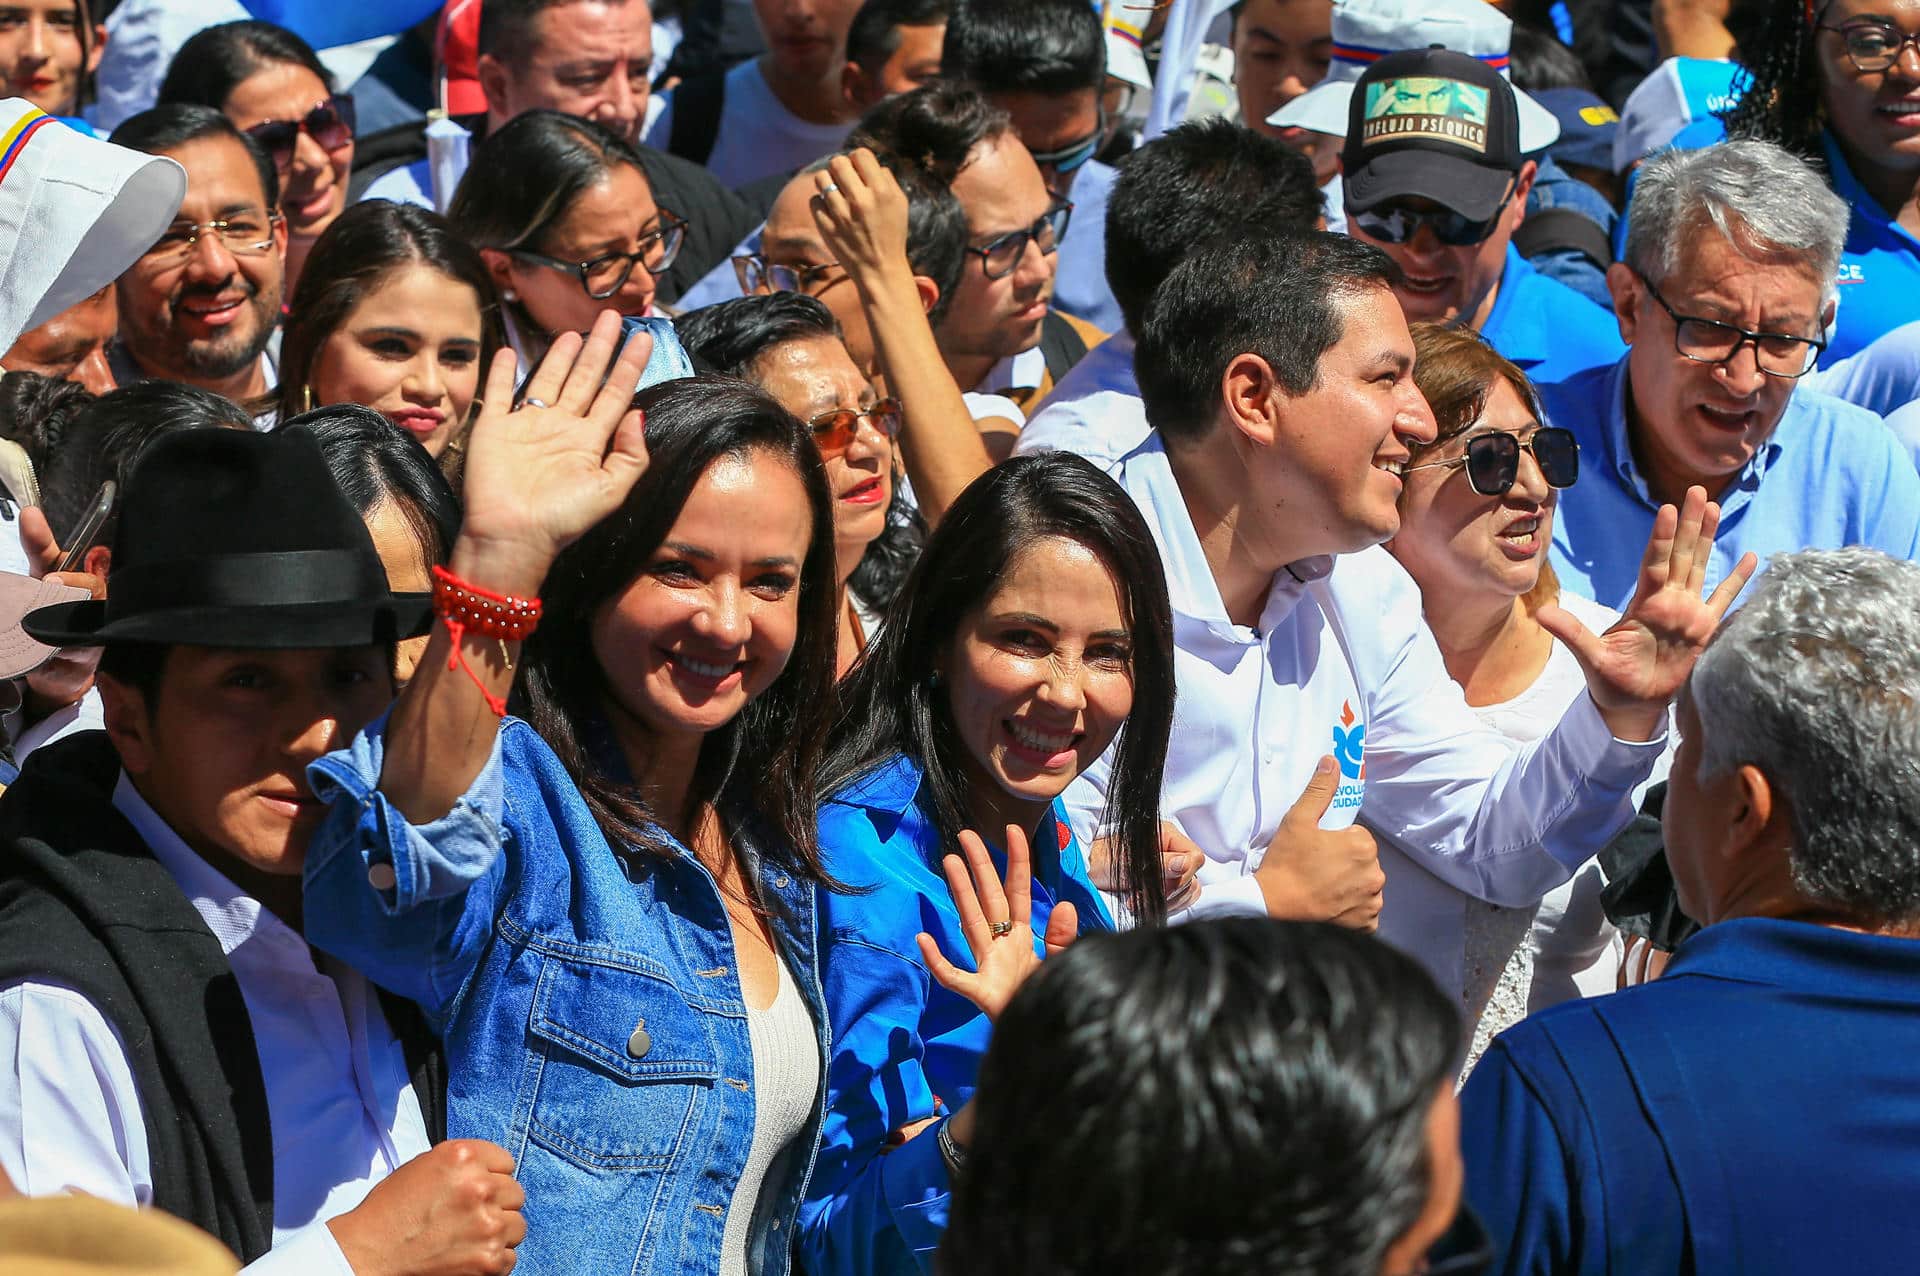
(904, 1048)
(592, 1013)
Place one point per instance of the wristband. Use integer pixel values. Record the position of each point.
(468, 607)
(952, 1153)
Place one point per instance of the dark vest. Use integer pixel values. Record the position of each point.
(84, 903)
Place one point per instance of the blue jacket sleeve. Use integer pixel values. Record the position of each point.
(870, 1210)
(409, 907)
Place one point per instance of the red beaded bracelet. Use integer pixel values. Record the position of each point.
(467, 607)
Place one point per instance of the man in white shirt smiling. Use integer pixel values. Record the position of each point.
(1276, 371)
(167, 1037)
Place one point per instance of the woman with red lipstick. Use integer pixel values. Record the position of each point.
(789, 345)
(1476, 516)
(1033, 635)
(396, 313)
(274, 88)
(49, 50)
(564, 217)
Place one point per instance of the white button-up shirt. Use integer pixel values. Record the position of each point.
(1342, 663)
(339, 1096)
(1094, 411)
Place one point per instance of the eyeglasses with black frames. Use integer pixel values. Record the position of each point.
(1000, 256)
(606, 275)
(1777, 354)
(757, 275)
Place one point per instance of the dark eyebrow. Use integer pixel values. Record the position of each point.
(705, 555)
(1394, 359)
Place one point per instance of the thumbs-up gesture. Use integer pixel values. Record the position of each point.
(1322, 875)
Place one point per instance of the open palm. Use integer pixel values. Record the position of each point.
(1635, 668)
(541, 474)
(1005, 961)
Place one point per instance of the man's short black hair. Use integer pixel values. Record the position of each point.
(1026, 46)
(506, 26)
(165, 128)
(728, 337)
(935, 127)
(874, 35)
(1200, 179)
(1273, 295)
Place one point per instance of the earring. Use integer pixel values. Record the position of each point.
(306, 398)
(509, 295)
(933, 679)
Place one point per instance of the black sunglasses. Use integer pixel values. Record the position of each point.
(1000, 256)
(330, 124)
(1493, 459)
(1394, 224)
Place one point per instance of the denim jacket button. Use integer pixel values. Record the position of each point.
(381, 877)
(780, 883)
(639, 1043)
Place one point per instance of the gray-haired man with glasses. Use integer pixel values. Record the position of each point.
(1724, 299)
(201, 306)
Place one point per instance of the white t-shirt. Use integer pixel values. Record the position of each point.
(758, 136)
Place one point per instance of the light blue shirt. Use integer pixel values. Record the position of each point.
(904, 1048)
(1080, 278)
(1831, 475)
(1546, 328)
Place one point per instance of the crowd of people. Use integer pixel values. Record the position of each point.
(959, 636)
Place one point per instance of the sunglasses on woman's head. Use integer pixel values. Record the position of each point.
(1493, 459)
(834, 431)
(330, 124)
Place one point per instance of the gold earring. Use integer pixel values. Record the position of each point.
(306, 398)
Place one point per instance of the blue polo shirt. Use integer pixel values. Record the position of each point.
(1879, 268)
(1831, 475)
(1752, 1111)
(1546, 328)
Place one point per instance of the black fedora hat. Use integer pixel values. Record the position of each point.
(229, 538)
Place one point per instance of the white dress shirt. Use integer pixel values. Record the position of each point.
(1094, 411)
(1342, 663)
(339, 1097)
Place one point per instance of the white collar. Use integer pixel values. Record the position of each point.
(1023, 371)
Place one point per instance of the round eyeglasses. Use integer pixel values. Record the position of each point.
(1000, 256)
(1710, 341)
(834, 430)
(604, 276)
(1493, 459)
(758, 276)
(1873, 46)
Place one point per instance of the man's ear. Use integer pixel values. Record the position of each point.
(853, 85)
(929, 292)
(1757, 815)
(1624, 286)
(1247, 392)
(1522, 187)
(493, 83)
(98, 562)
(128, 722)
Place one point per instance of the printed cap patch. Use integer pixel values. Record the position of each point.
(1426, 108)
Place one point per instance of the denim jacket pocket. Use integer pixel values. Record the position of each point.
(626, 1062)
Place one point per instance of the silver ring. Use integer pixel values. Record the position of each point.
(829, 189)
(533, 403)
(1000, 930)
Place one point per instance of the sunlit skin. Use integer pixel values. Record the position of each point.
(587, 58)
(792, 238)
(221, 752)
(914, 61)
(313, 188)
(806, 50)
(1000, 190)
(814, 376)
(612, 215)
(1449, 284)
(710, 620)
(1875, 116)
(1700, 423)
(410, 351)
(71, 346)
(41, 58)
(205, 321)
(408, 572)
(1475, 557)
(1281, 48)
(1051, 122)
(1446, 1176)
(1039, 679)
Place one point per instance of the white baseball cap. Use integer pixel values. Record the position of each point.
(1126, 61)
(75, 212)
(1364, 31)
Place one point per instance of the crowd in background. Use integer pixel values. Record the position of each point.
(962, 636)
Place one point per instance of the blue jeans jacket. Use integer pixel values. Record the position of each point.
(904, 1048)
(590, 1004)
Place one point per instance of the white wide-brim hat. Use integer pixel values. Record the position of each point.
(1364, 31)
(75, 212)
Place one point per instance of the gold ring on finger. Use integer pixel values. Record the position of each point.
(1000, 930)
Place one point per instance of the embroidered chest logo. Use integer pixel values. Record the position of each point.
(1350, 744)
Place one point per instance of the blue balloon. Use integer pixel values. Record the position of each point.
(326, 23)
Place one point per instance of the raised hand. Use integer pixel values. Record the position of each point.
(1635, 668)
(861, 212)
(540, 474)
(997, 923)
(1322, 875)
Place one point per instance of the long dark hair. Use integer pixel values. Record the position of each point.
(374, 461)
(215, 61)
(350, 260)
(761, 767)
(731, 337)
(1780, 102)
(1283, 1073)
(892, 704)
